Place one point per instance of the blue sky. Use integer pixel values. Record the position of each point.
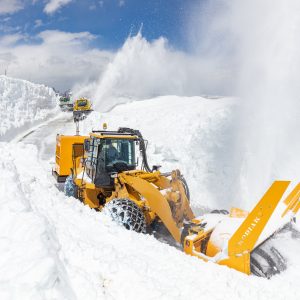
(111, 21)
(65, 42)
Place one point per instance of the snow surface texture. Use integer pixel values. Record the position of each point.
(54, 247)
(192, 134)
(23, 104)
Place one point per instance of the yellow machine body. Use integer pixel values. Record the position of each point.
(163, 197)
(67, 147)
(245, 230)
(144, 189)
(82, 104)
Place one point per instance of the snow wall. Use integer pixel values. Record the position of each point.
(23, 104)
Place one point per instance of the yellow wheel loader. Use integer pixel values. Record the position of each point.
(101, 170)
(82, 107)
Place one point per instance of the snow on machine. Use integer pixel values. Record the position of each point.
(101, 170)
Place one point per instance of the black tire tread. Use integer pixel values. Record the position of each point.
(266, 261)
(126, 213)
(70, 188)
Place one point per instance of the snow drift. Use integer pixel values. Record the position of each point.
(54, 247)
(22, 104)
(193, 134)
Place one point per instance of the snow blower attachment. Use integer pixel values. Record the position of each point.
(82, 107)
(101, 170)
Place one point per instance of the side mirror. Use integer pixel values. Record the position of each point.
(86, 145)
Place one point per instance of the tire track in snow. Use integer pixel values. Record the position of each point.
(33, 246)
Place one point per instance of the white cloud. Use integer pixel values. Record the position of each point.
(11, 39)
(57, 37)
(10, 6)
(53, 5)
(58, 59)
(121, 3)
(7, 29)
(38, 23)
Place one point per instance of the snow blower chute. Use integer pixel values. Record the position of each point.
(101, 170)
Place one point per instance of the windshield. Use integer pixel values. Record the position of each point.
(82, 103)
(106, 156)
(107, 152)
(118, 151)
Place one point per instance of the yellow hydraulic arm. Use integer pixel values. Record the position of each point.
(149, 185)
(244, 239)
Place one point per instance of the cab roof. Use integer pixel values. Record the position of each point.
(104, 134)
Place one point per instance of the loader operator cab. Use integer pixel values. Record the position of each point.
(82, 102)
(107, 156)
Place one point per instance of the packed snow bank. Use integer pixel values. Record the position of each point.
(201, 137)
(23, 104)
(29, 264)
(192, 134)
(54, 247)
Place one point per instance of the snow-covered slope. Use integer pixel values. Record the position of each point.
(193, 134)
(53, 247)
(23, 103)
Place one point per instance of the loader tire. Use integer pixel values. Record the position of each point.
(266, 261)
(126, 213)
(70, 187)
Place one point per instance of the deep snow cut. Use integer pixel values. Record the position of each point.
(60, 249)
(199, 144)
(229, 150)
(54, 247)
(23, 104)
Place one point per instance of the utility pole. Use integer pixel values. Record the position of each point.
(77, 126)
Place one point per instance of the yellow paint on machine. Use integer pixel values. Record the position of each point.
(64, 152)
(162, 197)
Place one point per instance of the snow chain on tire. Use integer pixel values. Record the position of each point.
(70, 187)
(125, 212)
(266, 261)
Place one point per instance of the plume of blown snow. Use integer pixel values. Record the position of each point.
(143, 69)
(259, 39)
(269, 68)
